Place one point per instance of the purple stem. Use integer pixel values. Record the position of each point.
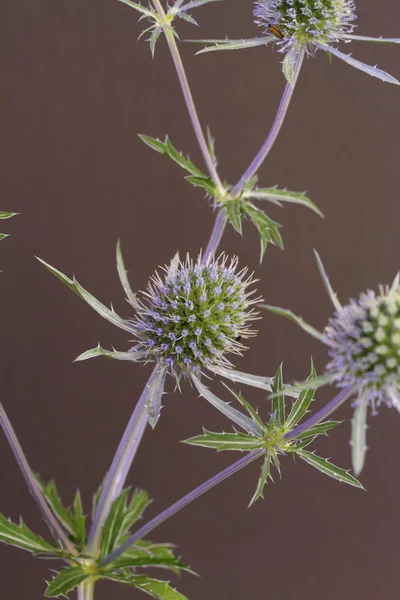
(216, 235)
(273, 134)
(119, 469)
(174, 508)
(32, 483)
(323, 413)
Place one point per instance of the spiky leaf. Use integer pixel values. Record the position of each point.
(226, 441)
(323, 465)
(154, 587)
(262, 480)
(22, 537)
(278, 399)
(65, 581)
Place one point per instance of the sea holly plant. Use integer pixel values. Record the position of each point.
(191, 322)
(363, 338)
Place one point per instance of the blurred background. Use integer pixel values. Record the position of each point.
(76, 88)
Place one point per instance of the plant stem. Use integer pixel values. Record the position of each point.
(174, 508)
(216, 235)
(119, 469)
(273, 134)
(187, 94)
(86, 590)
(32, 483)
(323, 413)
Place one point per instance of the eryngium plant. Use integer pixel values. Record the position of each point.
(194, 317)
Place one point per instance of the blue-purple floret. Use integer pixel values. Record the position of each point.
(195, 315)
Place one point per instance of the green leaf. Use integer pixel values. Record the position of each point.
(145, 11)
(79, 517)
(262, 480)
(169, 150)
(204, 182)
(290, 64)
(319, 429)
(73, 285)
(226, 441)
(257, 381)
(99, 351)
(65, 581)
(64, 515)
(139, 502)
(323, 465)
(278, 399)
(251, 411)
(301, 405)
(298, 320)
(226, 44)
(114, 527)
(359, 435)
(267, 228)
(277, 196)
(211, 147)
(7, 215)
(22, 537)
(234, 212)
(3, 236)
(154, 587)
(124, 277)
(327, 284)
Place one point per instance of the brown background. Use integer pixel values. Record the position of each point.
(76, 88)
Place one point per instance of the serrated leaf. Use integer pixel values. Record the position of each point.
(3, 236)
(214, 45)
(139, 502)
(236, 416)
(123, 276)
(154, 587)
(301, 405)
(323, 465)
(114, 526)
(22, 537)
(277, 196)
(196, 4)
(278, 399)
(327, 283)
(211, 147)
(319, 429)
(102, 310)
(262, 480)
(65, 581)
(257, 381)
(99, 351)
(359, 435)
(155, 391)
(169, 150)
(267, 228)
(248, 407)
(225, 441)
(63, 514)
(79, 517)
(233, 210)
(204, 182)
(298, 320)
(150, 555)
(140, 8)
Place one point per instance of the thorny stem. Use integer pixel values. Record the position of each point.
(323, 413)
(187, 94)
(32, 483)
(86, 589)
(119, 469)
(273, 134)
(174, 508)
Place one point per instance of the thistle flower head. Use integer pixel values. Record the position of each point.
(195, 314)
(364, 340)
(306, 21)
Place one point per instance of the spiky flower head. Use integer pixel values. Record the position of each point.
(306, 21)
(195, 314)
(364, 340)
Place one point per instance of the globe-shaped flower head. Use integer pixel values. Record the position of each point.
(363, 338)
(306, 21)
(195, 315)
